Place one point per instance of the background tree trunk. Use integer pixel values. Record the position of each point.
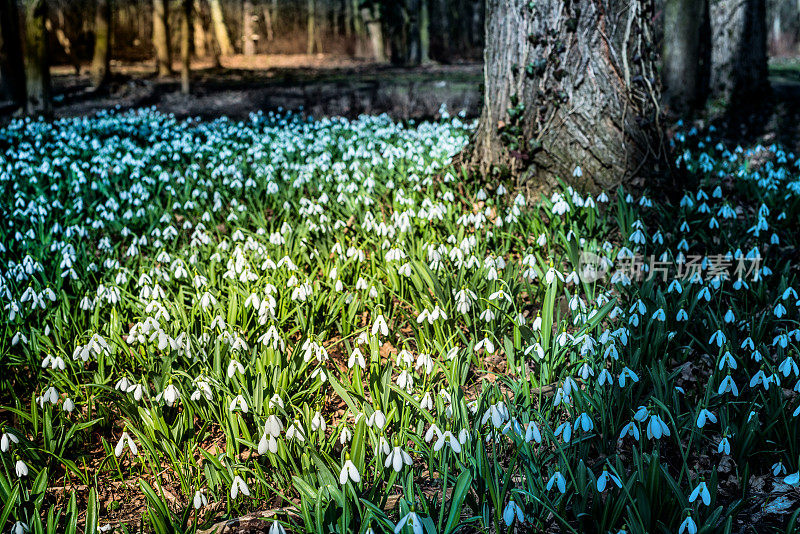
(198, 31)
(220, 30)
(12, 65)
(424, 32)
(372, 20)
(161, 37)
(37, 66)
(311, 6)
(739, 50)
(101, 61)
(681, 59)
(248, 44)
(186, 44)
(270, 11)
(569, 84)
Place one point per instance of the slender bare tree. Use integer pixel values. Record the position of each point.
(101, 62)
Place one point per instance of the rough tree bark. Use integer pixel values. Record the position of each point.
(186, 44)
(248, 44)
(220, 30)
(161, 37)
(12, 65)
(739, 51)
(37, 61)
(681, 56)
(101, 61)
(569, 83)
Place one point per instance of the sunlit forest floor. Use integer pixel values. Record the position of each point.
(320, 84)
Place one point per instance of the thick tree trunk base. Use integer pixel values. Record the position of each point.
(570, 94)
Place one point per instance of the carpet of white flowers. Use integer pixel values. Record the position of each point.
(323, 326)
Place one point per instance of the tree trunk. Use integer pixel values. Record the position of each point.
(37, 61)
(681, 60)
(198, 31)
(12, 65)
(311, 26)
(101, 61)
(55, 26)
(372, 21)
(248, 43)
(220, 30)
(424, 32)
(568, 84)
(186, 42)
(161, 38)
(268, 24)
(739, 51)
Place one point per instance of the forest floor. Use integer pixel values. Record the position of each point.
(322, 85)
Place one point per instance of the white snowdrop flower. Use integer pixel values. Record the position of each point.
(125, 439)
(170, 394)
(239, 486)
(377, 419)
(411, 519)
(349, 472)
(199, 500)
(397, 458)
(380, 326)
(295, 431)
(238, 403)
(20, 468)
(235, 367)
(6, 440)
(318, 422)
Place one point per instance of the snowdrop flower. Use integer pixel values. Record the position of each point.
(276, 528)
(448, 438)
(239, 486)
(656, 428)
(20, 468)
(377, 419)
(532, 433)
(604, 478)
(170, 394)
(199, 500)
(235, 367)
(397, 458)
(19, 528)
(411, 519)
(701, 490)
(238, 403)
(6, 440)
(123, 440)
(512, 511)
(498, 413)
(559, 481)
(486, 344)
(688, 526)
(349, 471)
(380, 326)
(704, 416)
